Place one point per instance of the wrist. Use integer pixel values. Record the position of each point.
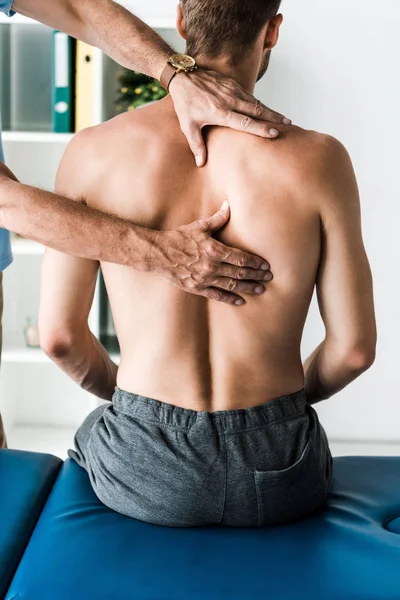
(178, 82)
(175, 65)
(160, 63)
(145, 250)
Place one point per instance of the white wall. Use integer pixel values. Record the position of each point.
(336, 70)
(151, 9)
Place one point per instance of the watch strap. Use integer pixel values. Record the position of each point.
(167, 75)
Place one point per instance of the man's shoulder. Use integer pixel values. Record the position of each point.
(296, 150)
(306, 157)
(133, 144)
(301, 164)
(132, 131)
(318, 157)
(306, 149)
(317, 149)
(97, 138)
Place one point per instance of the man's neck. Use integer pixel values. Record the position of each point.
(245, 72)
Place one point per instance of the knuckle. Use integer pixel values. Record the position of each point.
(245, 122)
(208, 245)
(195, 147)
(216, 107)
(241, 260)
(207, 266)
(191, 285)
(211, 248)
(258, 110)
(242, 273)
(201, 223)
(232, 285)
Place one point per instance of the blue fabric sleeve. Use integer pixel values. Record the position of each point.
(6, 256)
(5, 7)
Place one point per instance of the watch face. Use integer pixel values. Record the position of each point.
(182, 61)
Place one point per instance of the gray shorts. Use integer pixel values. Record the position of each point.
(171, 466)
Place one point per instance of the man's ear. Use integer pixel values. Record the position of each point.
(272, 32)
(180, 22)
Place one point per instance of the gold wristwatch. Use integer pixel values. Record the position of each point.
(178, 63)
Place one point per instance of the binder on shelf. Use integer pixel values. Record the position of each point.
(63, 94)
(84, 101)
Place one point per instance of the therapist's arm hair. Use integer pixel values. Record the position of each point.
(188, 256)
(104, 24)
(72, 227)
(344, 284)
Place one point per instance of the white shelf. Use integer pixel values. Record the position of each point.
(23, 247)
(37, 137)
(24, 355)
(155, 23)
(17, 20)
(34, 356)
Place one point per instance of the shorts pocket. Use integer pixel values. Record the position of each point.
(290, 493)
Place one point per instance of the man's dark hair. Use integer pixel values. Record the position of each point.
(217, 28)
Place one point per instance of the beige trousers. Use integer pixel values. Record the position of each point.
(3, 441)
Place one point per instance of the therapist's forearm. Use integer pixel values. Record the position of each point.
(71, 227)
(104, 24)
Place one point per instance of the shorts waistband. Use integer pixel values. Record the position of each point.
(222, 421)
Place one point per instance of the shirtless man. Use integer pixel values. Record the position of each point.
(211, 421)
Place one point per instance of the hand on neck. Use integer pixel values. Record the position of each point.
(244, 72)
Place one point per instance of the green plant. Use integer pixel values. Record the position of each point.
(137, 89)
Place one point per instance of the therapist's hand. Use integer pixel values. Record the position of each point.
(209, 98)
(197, 263)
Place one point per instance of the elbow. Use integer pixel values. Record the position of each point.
(360, 357)
(56, 343)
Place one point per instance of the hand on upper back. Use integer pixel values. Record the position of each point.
(201, 265)
(208, 98)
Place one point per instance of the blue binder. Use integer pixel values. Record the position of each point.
(62, 83)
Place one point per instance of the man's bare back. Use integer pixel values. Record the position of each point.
(250, 450)
(183, 349)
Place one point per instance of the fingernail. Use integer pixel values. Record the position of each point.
(287, 121)
(259, 289)
(225, 205)
(265, 267)
(239, 302)
(268, 277)
(199, 161)
(274, 132)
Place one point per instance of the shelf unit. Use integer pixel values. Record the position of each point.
(24, 355)
(37, 137)
(41, 407)
(23, 247)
